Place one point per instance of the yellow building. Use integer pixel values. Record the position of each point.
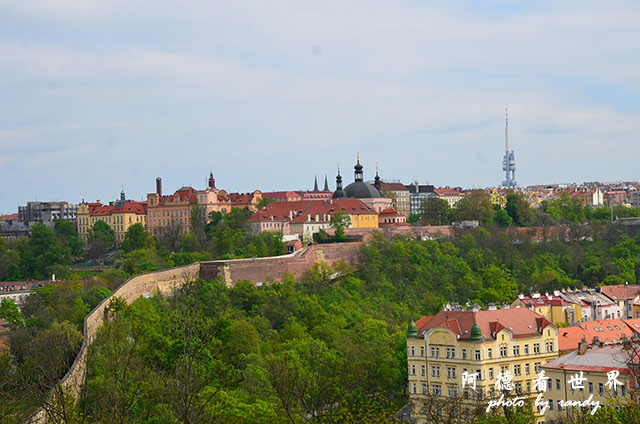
(581, 379)
(119, 216)
(552, 307)
(482, 345)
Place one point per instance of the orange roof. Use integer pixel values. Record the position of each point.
(446, 192)
(521, 322)
(394, 187)
(129, 206)
(621, 291)
(607, 331)
(304, 210)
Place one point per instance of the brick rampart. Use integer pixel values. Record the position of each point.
(275, 268)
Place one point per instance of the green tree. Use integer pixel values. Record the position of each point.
(475, 206)
(66, 232)
(519, 210)
(100, 238)
(9, 312)
(134, 238)
(264, 202)
(435, 211)
(502, 218)
(198, 222)
(43, 254)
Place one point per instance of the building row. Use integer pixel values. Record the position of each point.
(461, 362)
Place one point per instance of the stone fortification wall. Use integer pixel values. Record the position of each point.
(275, 268)
(163, 282)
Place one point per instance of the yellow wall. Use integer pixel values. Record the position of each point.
(119, 222)
(490, 363)
(364, 220)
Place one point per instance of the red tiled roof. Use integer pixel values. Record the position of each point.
(281, 194)
(545, 301)
(8, 217)
(446, 192)
(520, 321)
(621, 291)
(129, 206)
(394, 187)
(303, 210)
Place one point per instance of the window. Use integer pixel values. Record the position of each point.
(528, 387)
(517, 369)
(477, 355)
(557, 384)
(536, 348)
(412, 351)
(479, 374)
(480, 393)
(436, 390)
(492, 392)
(623, 391)
(590, 387)
(424, 388)
(536, 367)
(424, 370)
(435, 371)
(414, 388)
(550, 404)
(516, 351)
(413, 370)
(490, 373)
(518, 387)
(503, 351)
(526, 369)
(452, 391)
(490, 353)
(549, 345)
(451, 373)
(464, 353)
(421, 350)
(435, 352)
(559, 405)
(453, 353)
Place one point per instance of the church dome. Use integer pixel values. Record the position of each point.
(362, 190)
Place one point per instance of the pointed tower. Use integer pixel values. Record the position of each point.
(326, 184)
(339, 193)
(315, 184)
(212, 181)
(377, 183)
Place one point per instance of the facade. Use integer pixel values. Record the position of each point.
(246, 200)
(625, 295)
(18, 290)
(47, 212)
(174, 211)
(399, 195)
(451, 196)
(417, 195)
(589, 367)
(589, 197)
(484, 344)
(552, 307)
(118, 215)
(615, 197)
(634, 198)
(391, 217)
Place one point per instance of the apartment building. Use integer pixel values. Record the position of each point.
(485, 345)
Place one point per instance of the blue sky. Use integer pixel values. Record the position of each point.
(99, 95)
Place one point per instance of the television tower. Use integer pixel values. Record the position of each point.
(509, 160)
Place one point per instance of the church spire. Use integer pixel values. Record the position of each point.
(326, 183)
(358, 174)
(377, 183)
(339, 193)
(315, 184)
(212, 181)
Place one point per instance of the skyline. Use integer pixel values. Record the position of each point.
(96, 97)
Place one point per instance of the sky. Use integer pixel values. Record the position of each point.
(96, 96)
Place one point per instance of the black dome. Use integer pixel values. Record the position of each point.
(339, 194)
(362, 190)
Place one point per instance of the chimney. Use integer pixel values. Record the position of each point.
(159, 186)
(290, 215)
(521, 296)
(582, 346)
(317, 218)
(556, 293)
(491, 307)
(505, 306)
